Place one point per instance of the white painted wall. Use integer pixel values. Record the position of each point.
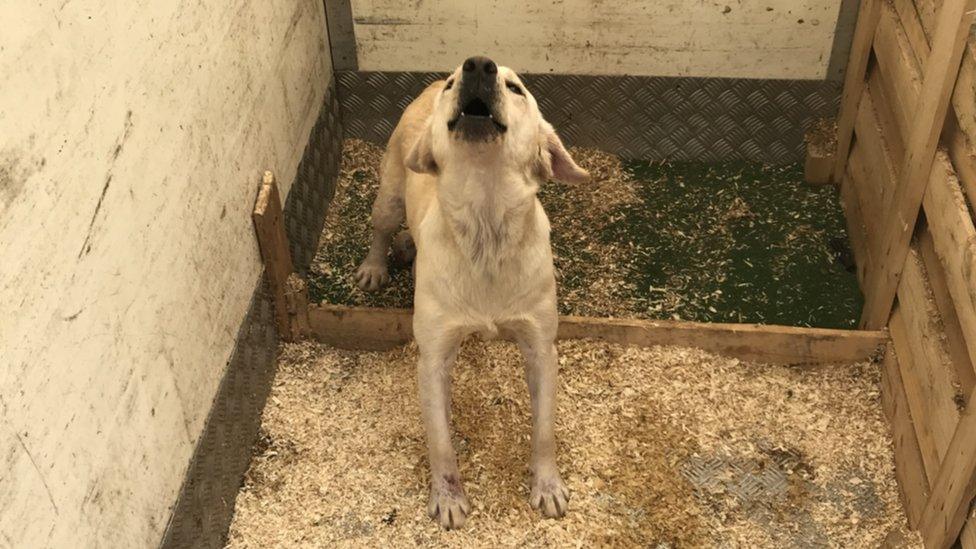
(727, 38)
(133, 134)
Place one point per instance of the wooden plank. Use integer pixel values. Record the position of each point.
(925, 364)
(955, 339)
(900, 71)
(867, 22)
(886, 117)
(820, 140)
(269, 224)
(963, 155)
(909, 469)
(954, 488)
(379, 329)
(940, 73)
(912, 23)
(877, 165)
(953, 238)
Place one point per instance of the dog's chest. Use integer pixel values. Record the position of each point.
(484, 269)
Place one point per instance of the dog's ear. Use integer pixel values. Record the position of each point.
(554, 161)
(421, 156)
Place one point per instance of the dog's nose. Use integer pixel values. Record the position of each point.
(479, 64)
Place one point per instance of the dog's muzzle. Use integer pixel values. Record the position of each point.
(476, 118)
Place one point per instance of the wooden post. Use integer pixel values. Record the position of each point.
(821, 140)
(941, 70)
(287, 289)
(955, 487)
(857, 65)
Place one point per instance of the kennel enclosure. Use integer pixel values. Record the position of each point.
(140, 342)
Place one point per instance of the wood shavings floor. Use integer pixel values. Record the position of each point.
(661, 447)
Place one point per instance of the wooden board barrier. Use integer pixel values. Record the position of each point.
(381, 329)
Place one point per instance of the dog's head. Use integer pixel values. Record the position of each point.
(484, 114)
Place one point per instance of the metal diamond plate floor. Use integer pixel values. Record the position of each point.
(650, 118)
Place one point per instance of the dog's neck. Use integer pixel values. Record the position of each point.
(489, 209)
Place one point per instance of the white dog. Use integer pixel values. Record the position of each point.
(465, 162)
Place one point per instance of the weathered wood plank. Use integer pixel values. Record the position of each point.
(379, 329)
(962, 152)
(774, 39)
(820, 140)
(900, 71)
(941, 69)
(886, 116)
(954, 488)
(909, 469)
(925, 364)
(269, 224)
(867, 22)
(955, 339)
(877, 165)
(954, 241)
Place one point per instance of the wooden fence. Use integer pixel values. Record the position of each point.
(906, 166)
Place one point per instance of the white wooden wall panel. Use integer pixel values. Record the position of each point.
(789, 39)
(133, 135)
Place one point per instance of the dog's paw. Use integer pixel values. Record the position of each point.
(549, 495)
(448, 505)
(372, 276)
(403, 250)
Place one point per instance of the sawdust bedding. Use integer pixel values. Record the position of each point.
(729, 242)
(661, 447)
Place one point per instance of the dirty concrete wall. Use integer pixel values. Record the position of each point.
(776, 39)
(132, 140)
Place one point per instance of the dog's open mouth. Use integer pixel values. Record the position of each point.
(475, 119)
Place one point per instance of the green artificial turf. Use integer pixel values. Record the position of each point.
(725, 242)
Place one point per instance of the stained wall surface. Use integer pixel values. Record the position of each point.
(133, 136)
(782, 39)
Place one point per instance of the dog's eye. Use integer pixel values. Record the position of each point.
(450, 84)
(514, 88)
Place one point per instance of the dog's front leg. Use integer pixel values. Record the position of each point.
(448, 504)
(548, 493)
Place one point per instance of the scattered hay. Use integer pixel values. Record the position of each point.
(734, 242)
(658, 446)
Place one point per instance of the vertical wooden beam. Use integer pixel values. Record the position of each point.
(289, 295)
(867, 23)
(955, 487)
(941, 70)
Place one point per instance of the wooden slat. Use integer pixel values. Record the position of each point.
(912, 23)
(954, 241)
(877, 163)
(963, 155)
(867, 21)
(941, 69)
(925, 366)
(955, 339)
(900, 71)
(270, 227)
(379, 329)
(954, 488)
(909, 469)
(886, 116)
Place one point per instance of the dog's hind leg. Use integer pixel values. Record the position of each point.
(387, 216)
